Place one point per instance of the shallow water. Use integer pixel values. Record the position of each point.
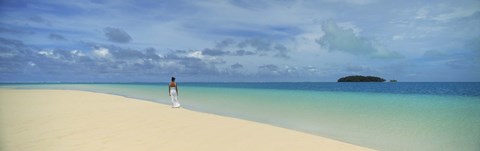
(384, 116)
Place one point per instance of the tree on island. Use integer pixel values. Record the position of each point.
(359, 78)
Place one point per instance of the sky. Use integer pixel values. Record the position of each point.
(239, 40)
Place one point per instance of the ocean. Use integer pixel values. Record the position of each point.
(383, 116)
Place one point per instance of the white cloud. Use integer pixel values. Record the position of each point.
(398, 37)
(7, 54)
(345, 40)
(455, 14)
(338, 39)
(382, 52)
(45, 53)
(311, 69)
(31, 64)
(350, 26)
(422, 14)
(445, 12)
(77, 53)
(195, 54)
(101, 52)
(306, 42)
(49, 54)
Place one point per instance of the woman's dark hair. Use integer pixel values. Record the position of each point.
(173, 79)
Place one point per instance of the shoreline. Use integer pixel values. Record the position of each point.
(43, 119)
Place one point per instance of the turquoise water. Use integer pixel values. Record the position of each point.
(442, 118)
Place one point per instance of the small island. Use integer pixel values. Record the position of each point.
(359, 78)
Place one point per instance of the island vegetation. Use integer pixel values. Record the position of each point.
(359, 78)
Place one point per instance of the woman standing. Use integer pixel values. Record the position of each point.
(173, 93)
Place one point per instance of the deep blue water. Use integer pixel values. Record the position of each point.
(429, 88)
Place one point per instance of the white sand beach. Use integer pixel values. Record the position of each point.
(61, 120)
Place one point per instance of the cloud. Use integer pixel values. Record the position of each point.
(14, 31)
(445, 14)
(272, 72)
(243, 53)
(230, 47)
(38, 19)
(116, 35)
(434, 54)
(360, 70)
(337, 39)
(278, 71)
(101, 52)
(101, 63)
(191, 65)
(256, 44)
(224, 43)
(398, 37)
(236, 66)
(249, 4)
(281, 51)
(10, 50)
(262, 47)
(11, 42)
(269, 69)
(345, 40)
(104, 62)
(474, 44)
(25, 61)
(214, 52)
(463, 64)
(311, 69)
(455, 60)
(356, 2)
(55, 36)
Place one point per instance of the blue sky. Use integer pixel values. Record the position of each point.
(238, 40)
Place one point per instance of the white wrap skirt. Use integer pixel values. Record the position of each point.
(173, 97)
